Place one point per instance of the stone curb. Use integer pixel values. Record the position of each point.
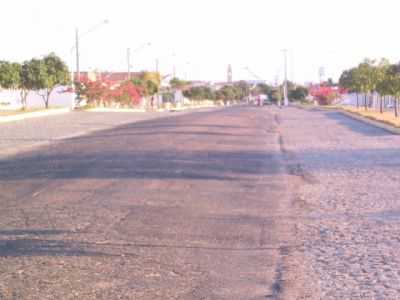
(378, 124)
(5, 154)
(193, 107)
(371, 122)
(125, 110)
(36, 114)
(122, 110)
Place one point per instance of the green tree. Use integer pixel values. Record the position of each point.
(276, 94)
(264, 88)
(177, 83)
(350, 81)
(200, 93)
(152, 82)
(148, 82)
(228, 93)
(48, 73)
(243, 89)
(393, 78)
(12, 77)
(382, 85)
(347, 80)
(299, 93)
(367, 78)
(330, 82)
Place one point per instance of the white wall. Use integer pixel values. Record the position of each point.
(351, 99)
(10, 99)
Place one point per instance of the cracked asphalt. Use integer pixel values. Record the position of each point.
(235, 203)
(191, 206)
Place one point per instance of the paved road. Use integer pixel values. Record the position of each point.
(23, 135)
(240, 203)
(18, 135)
(350, 218)
(197, 206)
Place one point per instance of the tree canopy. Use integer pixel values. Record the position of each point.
(373, 76)
(10, 75)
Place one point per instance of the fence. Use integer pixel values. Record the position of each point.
(372, 102)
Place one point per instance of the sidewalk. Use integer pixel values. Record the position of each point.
(33, 114)
(357, 116)
(25, 134)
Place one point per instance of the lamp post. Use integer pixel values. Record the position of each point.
(128, 56)
(186, 70)
(157, 64)
(285, 90)
(78, 37)
(78, 72)
(160, 58)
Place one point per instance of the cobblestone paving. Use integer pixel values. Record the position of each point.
(351, 201)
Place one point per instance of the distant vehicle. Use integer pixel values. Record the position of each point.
(267, 102)
(263, 100)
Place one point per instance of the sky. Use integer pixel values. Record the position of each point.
(201, 38)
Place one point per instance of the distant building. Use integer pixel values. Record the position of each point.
(256, 81)
(112, 76)
(196, 83)
(220, 84)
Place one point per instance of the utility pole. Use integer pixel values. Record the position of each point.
(285, 88)
(278, 89)
(128, 58)
(78, 73)
(186, 70)
(157, 64)
(77, 40)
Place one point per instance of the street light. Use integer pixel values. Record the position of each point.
(77, 40)
(128, 56)
(186, 70)
(285, 91)
(255, 76)
(158, 60)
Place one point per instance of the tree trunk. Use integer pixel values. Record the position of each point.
(371, 101)
(24, 96)
(396, 108)
(358, 104)
(365, 101)
(46, 98)
(381, 103)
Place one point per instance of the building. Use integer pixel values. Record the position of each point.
(111, 76)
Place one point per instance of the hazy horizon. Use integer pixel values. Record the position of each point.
(206, 36)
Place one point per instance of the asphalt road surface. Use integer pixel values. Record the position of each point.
(193, 206)
(234, 203)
